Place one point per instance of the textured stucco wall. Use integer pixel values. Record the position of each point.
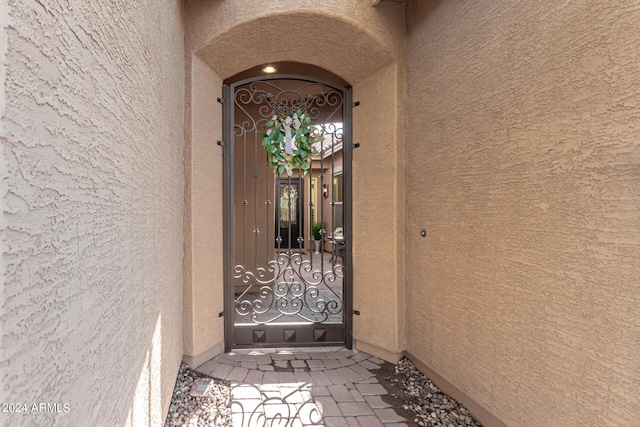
(347, 37)
(91, 138)
(360, 43)
(204, 275)
(377, 211)
(523, 163)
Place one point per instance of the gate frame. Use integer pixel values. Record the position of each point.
(228, 179)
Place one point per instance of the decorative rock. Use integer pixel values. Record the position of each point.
(211, 410)
(431, 406)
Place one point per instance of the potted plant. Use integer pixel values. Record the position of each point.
(316, 231)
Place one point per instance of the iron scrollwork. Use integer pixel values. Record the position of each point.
(288, 287)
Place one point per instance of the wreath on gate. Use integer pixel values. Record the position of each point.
(289, 141)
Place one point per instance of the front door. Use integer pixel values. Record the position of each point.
(289, 230)
(278, 289)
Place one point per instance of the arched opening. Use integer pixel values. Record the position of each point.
(368, 66)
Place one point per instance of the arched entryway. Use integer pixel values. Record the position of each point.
(288, 234)
(367, 60)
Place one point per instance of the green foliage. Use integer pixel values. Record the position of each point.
(303, 136)
(316, 230)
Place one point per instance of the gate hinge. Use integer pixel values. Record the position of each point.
(355, 104)
(220, 100)
(220, 143)
(356, 312)
(221, 314)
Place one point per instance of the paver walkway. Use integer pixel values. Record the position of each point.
(327, 386)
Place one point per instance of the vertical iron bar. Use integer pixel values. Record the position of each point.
(244, 197)
(229, 215)
(347, 212)
(333, 198)
(310, 203)
(289, 213)
(267, 225)
(278, 211)
(300, 207)
(256, 230)
(324, 232)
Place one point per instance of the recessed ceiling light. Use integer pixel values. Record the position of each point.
(269, 69)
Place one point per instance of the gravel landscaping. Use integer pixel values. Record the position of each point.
(430, 406)
(211, 410)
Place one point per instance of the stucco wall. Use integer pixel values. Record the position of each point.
(91, 138)
(523, 164)
(377, 200)
(203, 292)
(347, 37)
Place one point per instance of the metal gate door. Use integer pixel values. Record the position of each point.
(282, 288)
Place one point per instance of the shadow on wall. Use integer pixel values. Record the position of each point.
(146, 407)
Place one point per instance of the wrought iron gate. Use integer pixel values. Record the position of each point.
(278, 291)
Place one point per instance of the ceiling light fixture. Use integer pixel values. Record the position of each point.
(269, 69)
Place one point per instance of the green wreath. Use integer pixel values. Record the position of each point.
(289, 141)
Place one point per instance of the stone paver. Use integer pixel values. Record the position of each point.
(298, 363)
(281, 364)
(332, 364)
(349, 374)
(303, 377)
(266, 368)
(263, 359)
(355, 394)
(371, 389)
(237, 374)
(254, 377)
(376, 402)
(315, 363)
(328, 407)
(368, 365)
(388, 415)
(221, 371)
(286, 378)
(302, 356)
(353, 422)
(340, 393)
(336, 422)
(245, 392)
(369, 421)
(249, 365)
(362, 371)
(320, 391)
(321, 386)
(320, 378)
(346, 362)
(355, 408)
(336, 377)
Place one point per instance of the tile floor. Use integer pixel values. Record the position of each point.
(319, 386)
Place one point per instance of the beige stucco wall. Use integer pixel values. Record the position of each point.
(91, 159)
(523, 164)
(203, 293)
(377, 211)
(349, 38)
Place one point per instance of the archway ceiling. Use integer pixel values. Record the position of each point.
(321, 40)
